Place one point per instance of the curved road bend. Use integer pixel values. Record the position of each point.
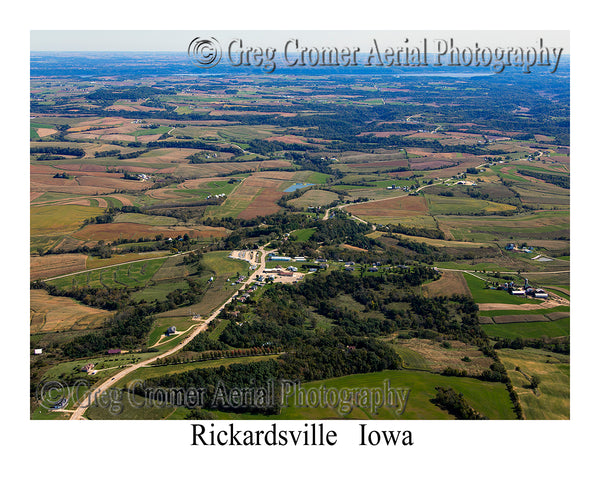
(103, 387)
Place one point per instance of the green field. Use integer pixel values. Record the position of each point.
(304, 234)
(485, 295)
(490, 399)
(159, 291)
(539, 311)
(410, 358)
(127, 275)
(557, 328)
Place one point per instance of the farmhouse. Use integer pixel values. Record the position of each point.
(171, 330)
(37, 351)
(87, 368)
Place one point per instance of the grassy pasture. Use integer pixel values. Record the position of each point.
(552, 400)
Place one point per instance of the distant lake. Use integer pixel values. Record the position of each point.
(298, 186)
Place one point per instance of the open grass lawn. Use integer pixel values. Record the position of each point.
(485, 295)
(160, 326)
(557, 328)
(552, 399)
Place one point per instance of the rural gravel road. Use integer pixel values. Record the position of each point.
(104, 386)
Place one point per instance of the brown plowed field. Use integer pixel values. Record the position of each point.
(55, 265)
(450, 283)
(401, 207)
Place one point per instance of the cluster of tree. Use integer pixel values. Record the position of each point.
(135, 154)
(556, 345)
(413, 231)
(196, 144)
(104, 297)
(57, 150)
(558, 180)
(61, 175)
(454, 403)
(107, 153)
(312, 358)
(127, 329)
(127, 93)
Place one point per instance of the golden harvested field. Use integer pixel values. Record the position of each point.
(314, 198)
(124, 200)
(54, 265)
(45, 132)
(51, 314)
(451, 283)
(133, 231)
(59, 219)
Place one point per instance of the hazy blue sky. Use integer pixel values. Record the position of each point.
(167, 40)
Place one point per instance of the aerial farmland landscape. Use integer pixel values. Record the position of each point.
(240, 231)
